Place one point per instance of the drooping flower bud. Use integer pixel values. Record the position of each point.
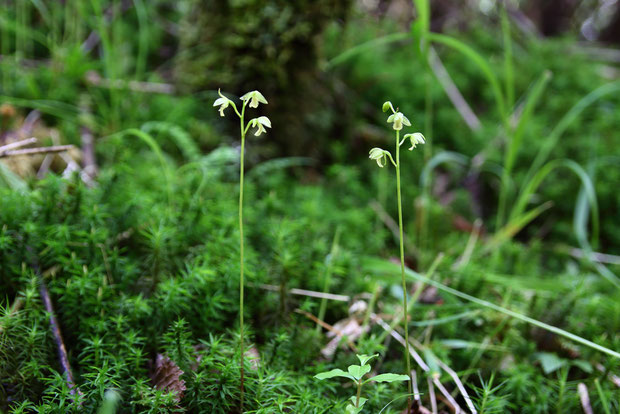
(223, 102)
(416, 138)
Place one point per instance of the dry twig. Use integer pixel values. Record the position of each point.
(327, 326)
(38, 150)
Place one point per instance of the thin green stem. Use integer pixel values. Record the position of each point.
(402, 263)
(328, 275)
(241, 262)
(509, 85)
(359, 394)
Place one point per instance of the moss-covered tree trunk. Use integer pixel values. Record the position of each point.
(271, 45)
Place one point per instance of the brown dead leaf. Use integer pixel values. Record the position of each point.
(167, 376)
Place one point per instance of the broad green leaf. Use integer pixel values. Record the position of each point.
(359, 371)
(334, 373)
(389, 378)
(365, 358)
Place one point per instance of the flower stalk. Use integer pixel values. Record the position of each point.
(252, 98)
(398, 120)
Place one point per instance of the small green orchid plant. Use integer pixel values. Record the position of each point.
(381, 156)
(251, 99)
(356, 374)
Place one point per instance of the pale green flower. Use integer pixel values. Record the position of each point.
(416, 138)
(260, 123)
(399, 120)
(223, 102)
(255, 97)
(380, 155)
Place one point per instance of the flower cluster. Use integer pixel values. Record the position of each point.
(398, 120)
(251, 99)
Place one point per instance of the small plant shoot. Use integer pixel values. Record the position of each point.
(357, 374)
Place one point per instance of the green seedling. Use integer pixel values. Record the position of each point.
(398, 120)
(356, 373)
(251, 99)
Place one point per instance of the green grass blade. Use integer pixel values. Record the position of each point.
(479, 61)
(376, 265)
(571, 116)
(532, 99)
(153, 145)
(440, 158)
(508, 65)
(531, 187)
(364, 47)
(11, 180)
(514, 226)
(181, 138)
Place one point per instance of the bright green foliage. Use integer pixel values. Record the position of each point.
(356, 374)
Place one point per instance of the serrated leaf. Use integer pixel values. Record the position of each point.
(358, 371)
(389, 378)
(334, 373)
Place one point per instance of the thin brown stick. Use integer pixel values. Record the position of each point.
(328, 327)
(39, 150)
(55, 326)
(60, 345)
(584, 397)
